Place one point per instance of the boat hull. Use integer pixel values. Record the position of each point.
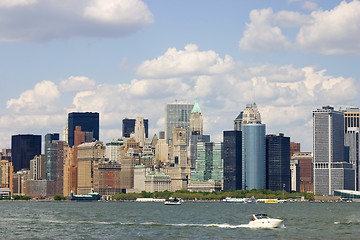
(266, 223)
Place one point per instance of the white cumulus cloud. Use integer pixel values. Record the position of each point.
(260, 35)
(328, 32)
(184, 62)
(43, 98)
(333, 32)
(77, 83)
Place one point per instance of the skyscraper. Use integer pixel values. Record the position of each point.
(253, 149)
(351, 117)
(330, 171)
(51, 155)
(232, 155)
(352, 140)
(140, 131)
(196, 132)
(128, 127)
(177, 115)
(278, 175)
(196, 120)
(209, 164)
(23, 149)
(88, 121)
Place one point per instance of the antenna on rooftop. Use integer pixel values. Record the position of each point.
(254, 94)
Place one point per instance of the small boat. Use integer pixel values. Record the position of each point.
(173, 201)
(271, 201)
(262, 220)
(233, 200)
(250, 200)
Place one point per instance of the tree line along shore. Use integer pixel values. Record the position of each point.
(195, 196)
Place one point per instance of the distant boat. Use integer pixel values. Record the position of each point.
(93, 196)
(271, 201)
(250, 200)
(239, 200)
(173, 201)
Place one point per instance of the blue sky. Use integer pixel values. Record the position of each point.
(128, 58)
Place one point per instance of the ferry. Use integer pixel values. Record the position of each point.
(262, 220)
(233, 200)
(93, 196)
(239, 200)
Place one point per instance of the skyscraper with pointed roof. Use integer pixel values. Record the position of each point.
(196, 120)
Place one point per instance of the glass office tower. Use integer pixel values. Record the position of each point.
(88, 121)
(23, 149)
(253, 156)
(177, 115)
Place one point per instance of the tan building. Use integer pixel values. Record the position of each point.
(140, 131)
(131, 146)
(179, 168)
(89, 154)
(19, 182)
(6, 174)
(209, 186)
(37, 167)
(351, 117)
(68, 162)
(127, 171)
(107, 177)
(157, 183)
(139, 178)
(179, 147)
(162, 151)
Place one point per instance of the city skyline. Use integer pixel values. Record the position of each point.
(227, 55)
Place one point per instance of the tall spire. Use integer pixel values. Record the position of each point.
(196, 108)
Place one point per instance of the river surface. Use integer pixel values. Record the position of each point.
(191, 220)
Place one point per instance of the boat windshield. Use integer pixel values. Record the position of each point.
(261, 215)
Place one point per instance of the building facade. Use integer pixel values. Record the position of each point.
(253, 156)
(89, 123)
(278, 174)
(23, 149)
(51, 155)
(128, 127)
(177, 115)
(209, 163)
(232, 155)
(89, 154)
(305, 165)
(352, 140)
(328, 148)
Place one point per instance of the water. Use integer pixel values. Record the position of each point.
(132, 220)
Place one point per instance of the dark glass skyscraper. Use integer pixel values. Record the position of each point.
(88, 121)
(232, 155)
(23, 149)
(51, 155)
(278, 175)
(128, 127)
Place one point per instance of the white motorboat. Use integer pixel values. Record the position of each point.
(263, 221)
(173, 201)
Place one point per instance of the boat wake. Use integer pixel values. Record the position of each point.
(215, 225)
